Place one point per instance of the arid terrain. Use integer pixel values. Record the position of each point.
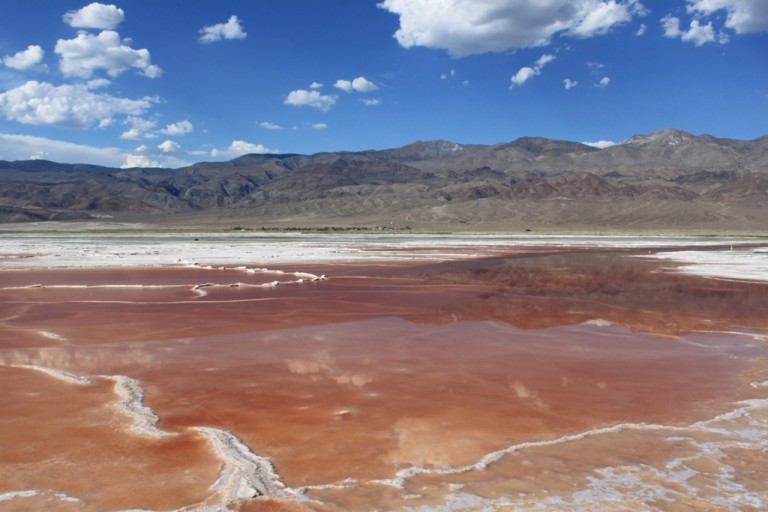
(664, 180)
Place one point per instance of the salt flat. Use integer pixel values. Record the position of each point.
(213, 371)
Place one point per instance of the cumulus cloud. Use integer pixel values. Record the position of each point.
(167, 154)
(315, 85)
(370, 102)
(132, 161)
(95, 15)
(177, 129)
(169, 146)
(570, 84)
(697, 33)
(75, 105)
(641, 30)
(465, 27)
(27, 147)
(359, 84)
(25, 59)
(240, 148)
(604, 82)
(523, 75)
(526, 73)
(304, 98)
(599, 17)
(87, 53)
(270, 126)
(140, 128)
(319, 126)
(743, 16)
(98, 83)
(232, 29)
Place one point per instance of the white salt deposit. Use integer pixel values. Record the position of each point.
(740, 264)
(245, 475)
(209, 250)
(131, 403)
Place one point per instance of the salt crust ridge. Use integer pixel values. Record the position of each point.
(199, 289)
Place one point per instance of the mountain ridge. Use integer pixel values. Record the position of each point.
(664, 178)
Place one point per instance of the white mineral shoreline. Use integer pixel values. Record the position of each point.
(239, 250)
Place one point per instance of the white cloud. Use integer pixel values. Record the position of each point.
(523, 75)
(270, 126)
(95, 15)
(370, 102)
(27, 147)
(168, 154)
(169, 146)
(25, 59)
(98, 83)
(315, 85)
(743, 16)
(697, 34)
(570, 84)
(177, 129)
(320, 126)
(359, 84)
(232, 29)
(344, 85)
(604, 82)
(140, 128)
(465, 27)
(139, 161)
(641, 31)
(42, 103)
(601, 16)
(600, 144)
(240, 148)
(526, 73)
(304, 98)
(82, 56)
(544, 60)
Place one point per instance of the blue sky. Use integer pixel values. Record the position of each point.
(172, 82)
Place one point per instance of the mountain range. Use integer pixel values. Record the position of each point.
(669, 179)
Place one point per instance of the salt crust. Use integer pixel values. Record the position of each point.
(36, 251)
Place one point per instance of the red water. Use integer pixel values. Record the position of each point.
(375, 370)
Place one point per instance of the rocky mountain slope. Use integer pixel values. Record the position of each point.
(668, 178)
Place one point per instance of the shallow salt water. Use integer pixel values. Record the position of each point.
(466, 373)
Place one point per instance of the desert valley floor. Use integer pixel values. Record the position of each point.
(250, 371)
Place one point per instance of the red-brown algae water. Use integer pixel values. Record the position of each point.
(546, 380)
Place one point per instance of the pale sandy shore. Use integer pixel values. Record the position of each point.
(383, 373)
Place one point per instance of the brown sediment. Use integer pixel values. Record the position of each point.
(336, 388)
